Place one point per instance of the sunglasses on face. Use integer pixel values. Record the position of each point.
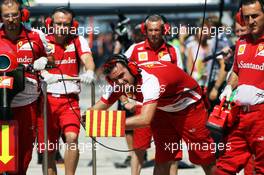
(10, 15)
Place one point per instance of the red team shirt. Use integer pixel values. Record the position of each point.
(173, 93)
(25, 56)
(61, 117)
(67, 59)
(142, 53)
(249, 66)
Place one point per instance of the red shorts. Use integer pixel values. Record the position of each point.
(26, 116)
(170, 128)
(61, 119)
(142, 137)
(245, 138)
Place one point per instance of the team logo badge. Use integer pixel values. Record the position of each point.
(152, 64)
(241, 49)
(164, 56)
(51, 48)
(20, 43)
(70, 48)
(149, 65)
(24, 45)
(143, 56)
(161, 54)
(260, 50)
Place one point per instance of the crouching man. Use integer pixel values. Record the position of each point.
(172, 106)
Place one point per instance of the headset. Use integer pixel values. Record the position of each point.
(165, 25)
(239, 18)
(120, 58)
(49, 20)
(25, 13)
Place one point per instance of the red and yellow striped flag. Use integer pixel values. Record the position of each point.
(105, 123)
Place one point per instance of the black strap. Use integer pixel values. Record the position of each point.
(33, 52)
(78, 59)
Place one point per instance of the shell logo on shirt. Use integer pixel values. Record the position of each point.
(142, 56)
(241, 49)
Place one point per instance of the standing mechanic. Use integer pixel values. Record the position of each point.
(68, 50)
(30, 46)
(247, 135)
(154, 48)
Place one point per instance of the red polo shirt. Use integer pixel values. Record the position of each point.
(67, 60)
(67, 56)
(22, 48)
(142, 53)
(173, 93)
(25, 55)
(249, 66)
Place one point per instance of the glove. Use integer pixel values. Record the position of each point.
(40, 63)
(226, 93)
(50, 78)
(87, 77)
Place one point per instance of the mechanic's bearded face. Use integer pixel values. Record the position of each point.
(62, 24)
(11, 16)
(122, 77)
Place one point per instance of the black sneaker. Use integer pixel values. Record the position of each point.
(184, 165)
(125, 164)
(90, 163)
(148, 163)
(40, 158)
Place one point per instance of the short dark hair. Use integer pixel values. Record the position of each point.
(7, 2)
(110, 63)
(248, 2)
(64, 10)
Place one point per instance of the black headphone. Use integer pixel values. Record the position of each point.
(120, 58)
(165, 26)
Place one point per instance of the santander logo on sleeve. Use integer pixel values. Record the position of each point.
(66, 61)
